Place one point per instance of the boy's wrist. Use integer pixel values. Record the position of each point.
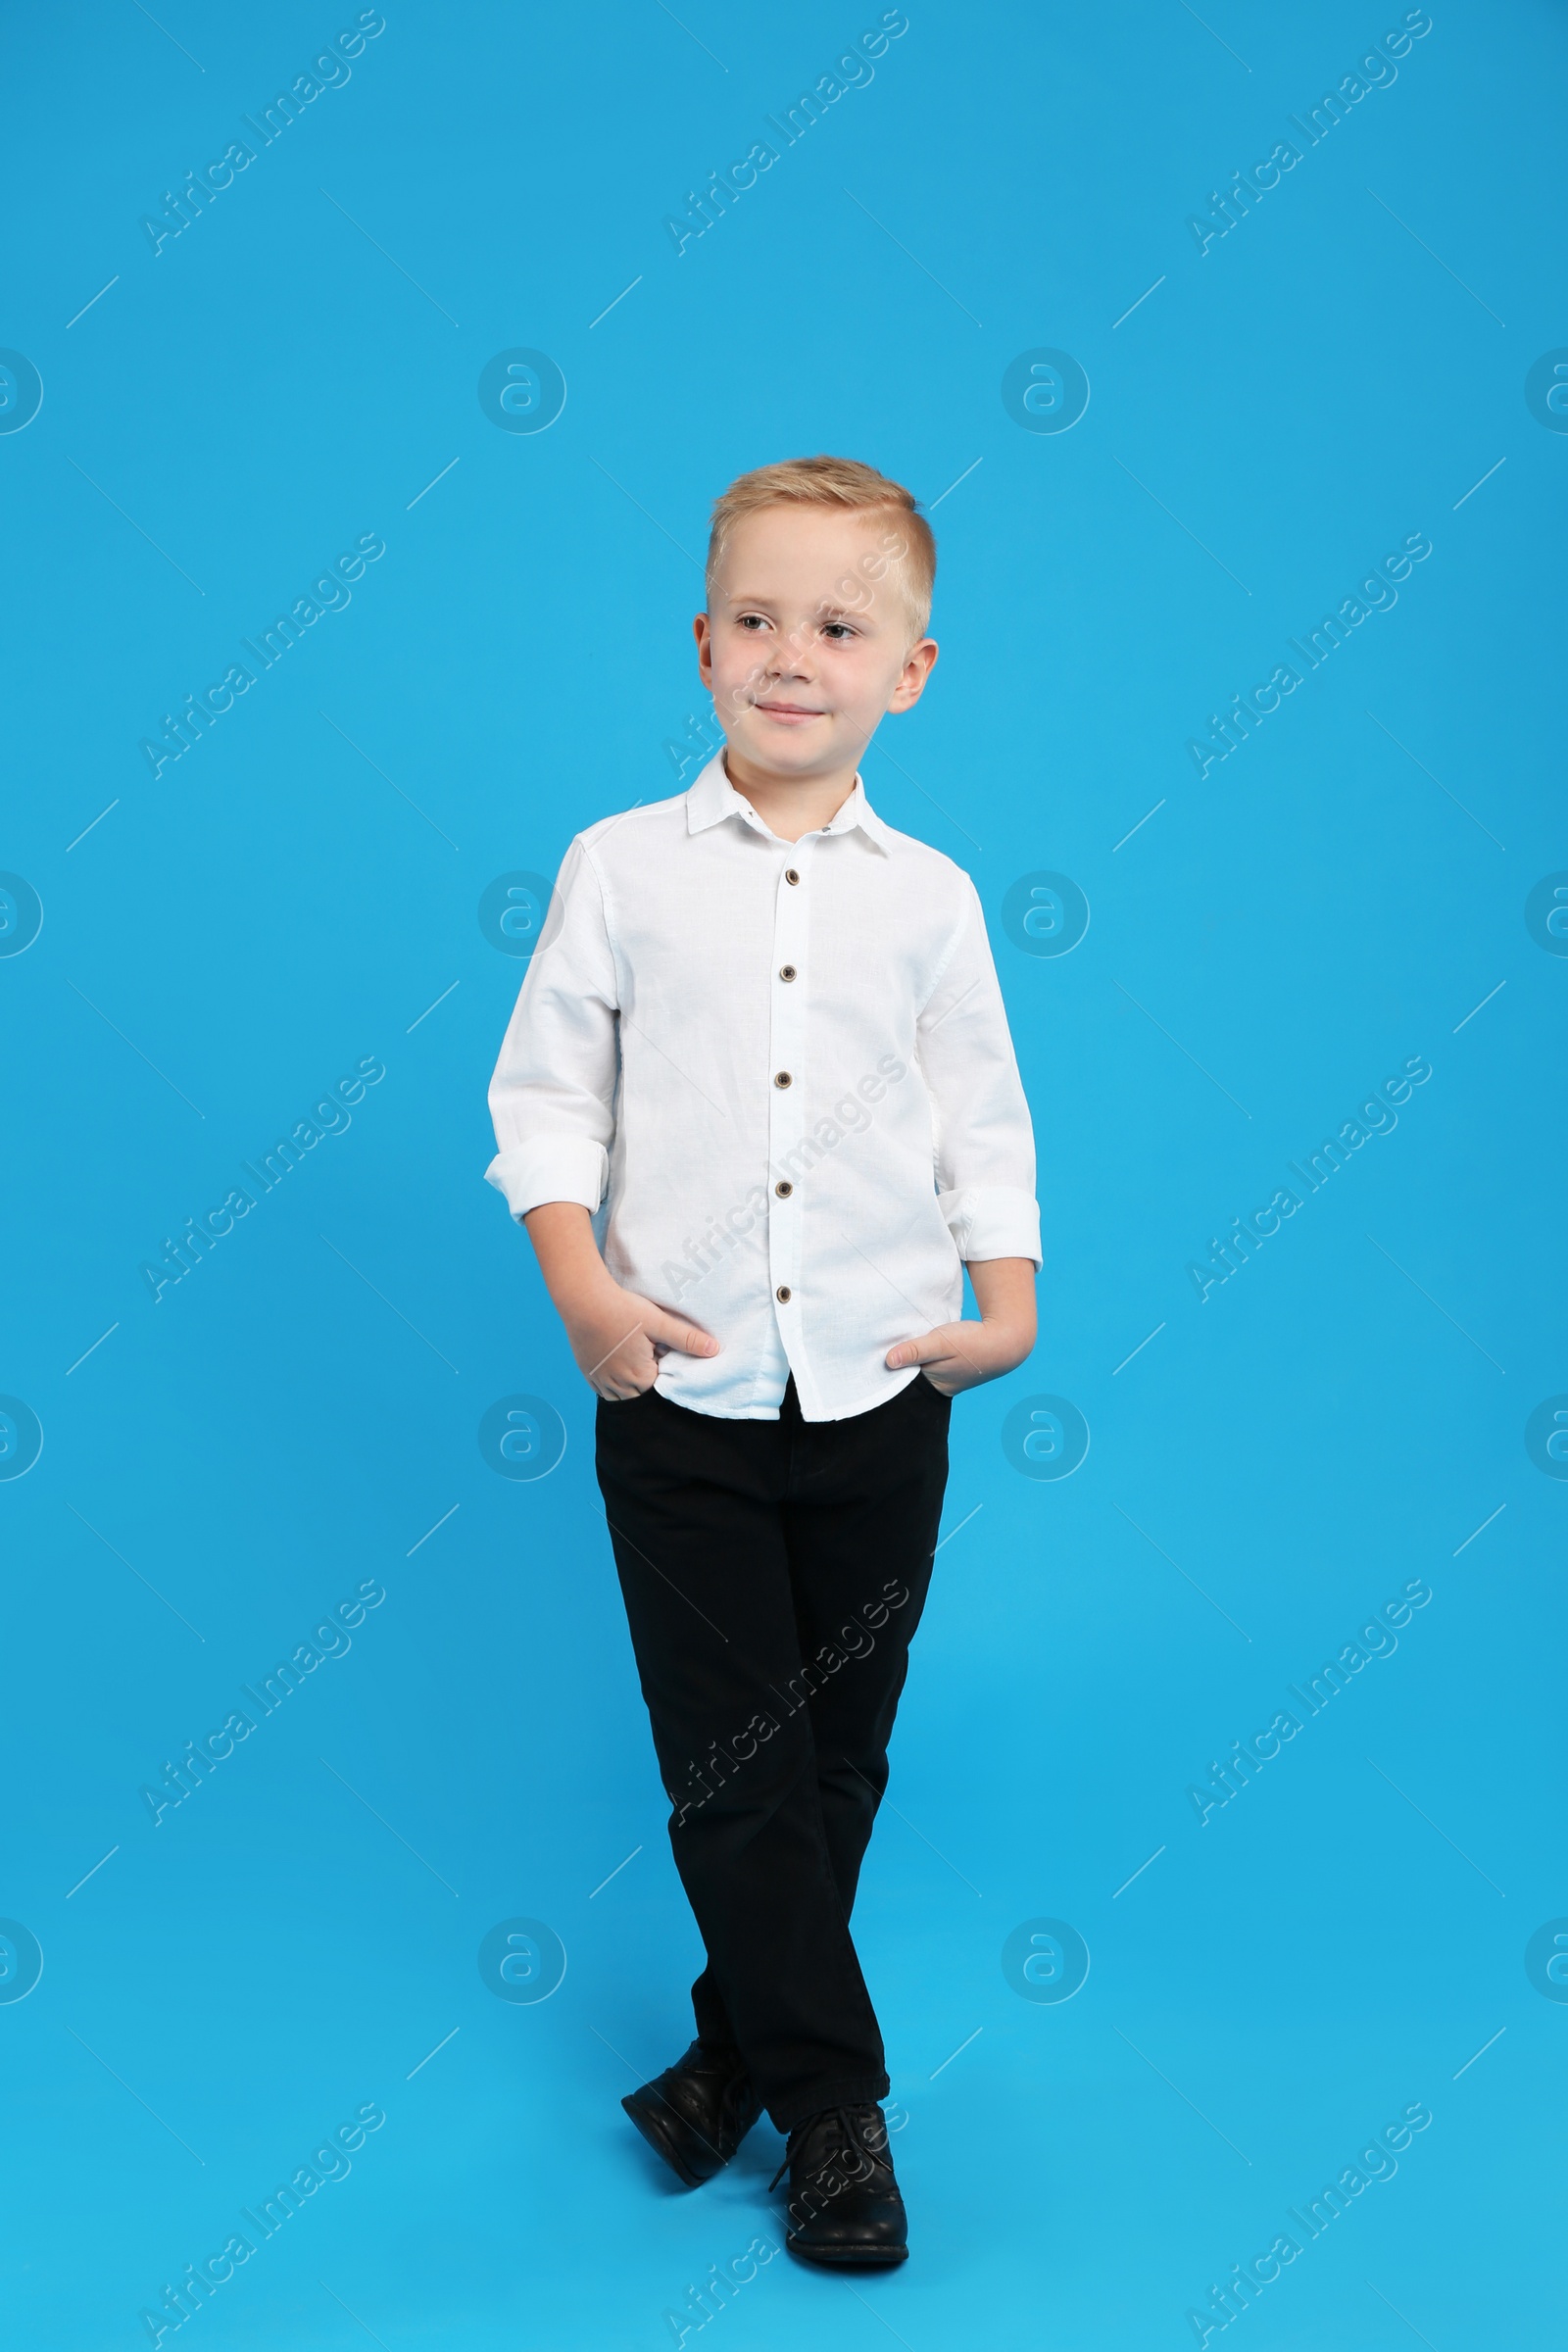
(585, 1293)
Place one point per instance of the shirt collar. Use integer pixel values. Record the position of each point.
(713, 798)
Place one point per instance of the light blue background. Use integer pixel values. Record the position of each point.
(226, 940)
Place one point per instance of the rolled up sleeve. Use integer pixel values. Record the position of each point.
(984, 1140)
(551, 1096)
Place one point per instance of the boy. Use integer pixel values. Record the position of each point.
(762, 1033)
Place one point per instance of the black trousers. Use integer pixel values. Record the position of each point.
(773, 1574)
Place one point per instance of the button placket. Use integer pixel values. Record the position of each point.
(787, 1089)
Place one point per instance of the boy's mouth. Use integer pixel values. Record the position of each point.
(791, 712)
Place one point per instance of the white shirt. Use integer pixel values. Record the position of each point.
(784, 1070)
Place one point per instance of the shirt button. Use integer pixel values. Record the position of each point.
(786, 971)
(782, 1293)
(782, 1078)
(783, 1189)
(790, 874)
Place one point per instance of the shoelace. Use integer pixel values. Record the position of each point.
(851, 2142)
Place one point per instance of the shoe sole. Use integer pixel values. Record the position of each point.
(658, 2138)
(849, 2257)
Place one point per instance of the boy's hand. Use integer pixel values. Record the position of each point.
(961, 1355)
(617, 1336)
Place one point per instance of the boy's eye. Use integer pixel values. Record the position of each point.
(752, 622)
(837, 628)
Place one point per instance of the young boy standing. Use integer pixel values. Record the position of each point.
(762, 1034)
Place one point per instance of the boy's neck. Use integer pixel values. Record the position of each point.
(789, 806)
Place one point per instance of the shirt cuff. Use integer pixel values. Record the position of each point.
(553, 1167)
(993, 1222)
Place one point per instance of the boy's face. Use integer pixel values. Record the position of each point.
(807, 643)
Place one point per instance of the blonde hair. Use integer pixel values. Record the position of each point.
(845, 483)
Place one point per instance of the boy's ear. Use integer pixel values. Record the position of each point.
(705, 650)
(918, 665)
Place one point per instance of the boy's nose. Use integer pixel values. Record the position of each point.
(793, 658)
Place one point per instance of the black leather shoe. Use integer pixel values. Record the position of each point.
(844, 2203)
(697, 2112)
